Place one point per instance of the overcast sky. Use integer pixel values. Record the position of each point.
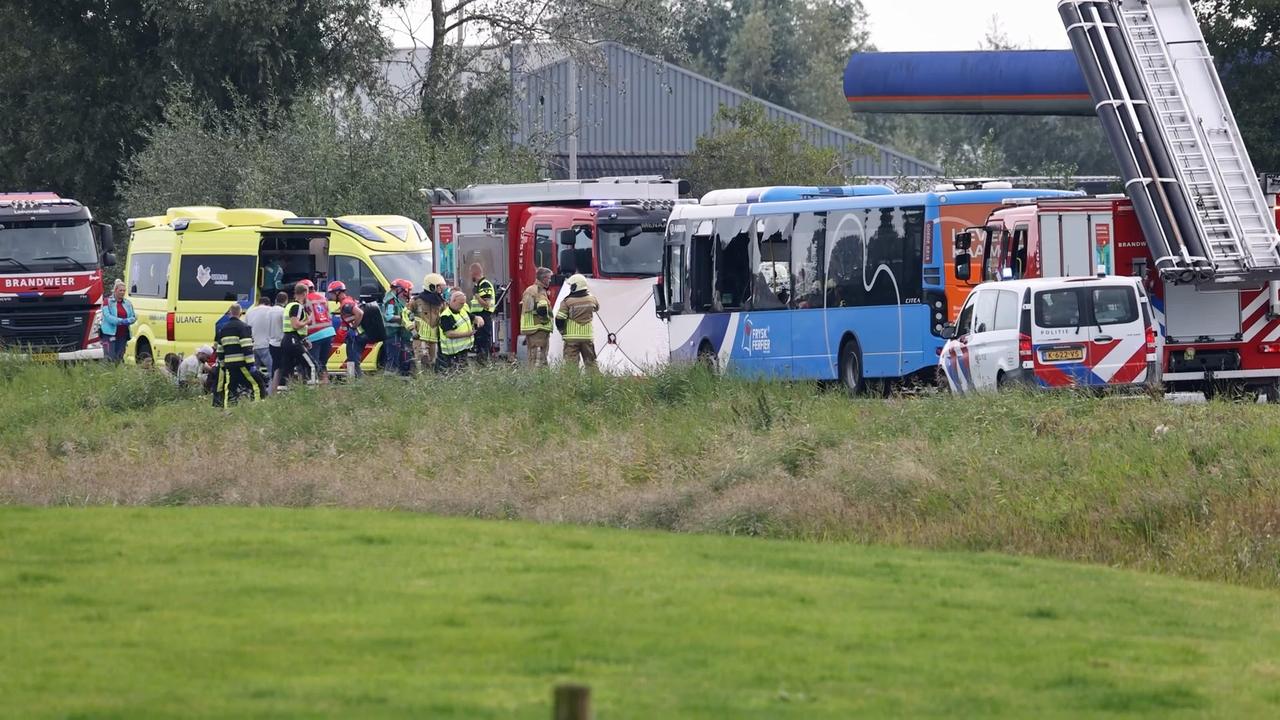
(926, 24)
(961, 24)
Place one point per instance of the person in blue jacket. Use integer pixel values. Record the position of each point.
(117, 317)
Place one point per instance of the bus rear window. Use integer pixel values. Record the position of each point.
(228, 278)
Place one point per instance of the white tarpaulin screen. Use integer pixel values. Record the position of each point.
(630, 337)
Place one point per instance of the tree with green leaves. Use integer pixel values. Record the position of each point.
(1244, 37)
(788, 52)
(466, 75)
(316, 156)
(747, 149)
(81, 79)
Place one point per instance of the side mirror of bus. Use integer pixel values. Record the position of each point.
(108, 259)
(963, 269)
(948, 331)
(963, 241)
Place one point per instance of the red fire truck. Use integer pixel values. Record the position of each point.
(51, 260)
(609, 229)
(1216, 339)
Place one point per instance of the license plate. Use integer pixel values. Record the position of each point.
(1062, 355)
(44, 357)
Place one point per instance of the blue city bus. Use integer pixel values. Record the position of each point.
(854, 288)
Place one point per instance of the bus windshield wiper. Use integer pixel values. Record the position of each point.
(63, 257)
(17, 262)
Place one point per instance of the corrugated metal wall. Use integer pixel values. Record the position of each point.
(643, 107)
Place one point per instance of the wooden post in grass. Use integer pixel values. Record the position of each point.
(573, 702)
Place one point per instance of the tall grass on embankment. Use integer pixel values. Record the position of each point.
(1186, 490)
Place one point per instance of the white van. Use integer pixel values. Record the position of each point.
(1052, 332)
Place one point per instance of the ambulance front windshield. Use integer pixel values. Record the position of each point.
(411, 266)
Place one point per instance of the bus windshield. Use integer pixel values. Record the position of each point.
(48, 246)
(411, 266)
(631, 250)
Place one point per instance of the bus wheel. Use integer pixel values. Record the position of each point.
(851, 369)
(1273, 393)
(882, 388)
(707, 358)
(142, 354)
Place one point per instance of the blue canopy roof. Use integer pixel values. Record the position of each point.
(1015, 82)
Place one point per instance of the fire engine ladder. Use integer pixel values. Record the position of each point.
(1208, 152)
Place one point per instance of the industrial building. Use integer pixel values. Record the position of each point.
(633, 114)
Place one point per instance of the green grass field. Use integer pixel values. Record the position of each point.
(1192, 491)
(233, 612)
(1186, 490)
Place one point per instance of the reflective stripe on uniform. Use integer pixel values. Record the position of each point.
(288, 326)
(577, 314)
(233, 350)
(482, 289)
(530, 322)
(454, 346)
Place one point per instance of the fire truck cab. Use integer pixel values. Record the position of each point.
(610, 228)
(1214, 338)
(52, 255)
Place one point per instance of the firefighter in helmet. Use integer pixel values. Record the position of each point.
(574, 322)
(425, 309)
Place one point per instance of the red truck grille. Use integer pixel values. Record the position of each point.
(28, 330)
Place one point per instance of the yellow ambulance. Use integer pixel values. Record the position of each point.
(186, 267)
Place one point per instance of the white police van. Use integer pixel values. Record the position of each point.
(1094, 332)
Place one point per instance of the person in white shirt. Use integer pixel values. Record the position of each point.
(275, 328)
(259, 321)
(196, 369)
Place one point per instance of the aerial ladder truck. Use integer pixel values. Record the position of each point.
(1212, 255)
(1183, 160)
